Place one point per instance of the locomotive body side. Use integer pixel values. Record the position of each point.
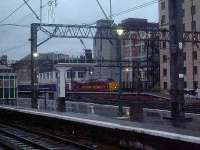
(95, 86)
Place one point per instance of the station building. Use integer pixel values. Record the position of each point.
(8, 86)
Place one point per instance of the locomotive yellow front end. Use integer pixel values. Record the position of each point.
(113, 86)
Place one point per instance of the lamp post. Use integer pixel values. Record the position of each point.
(127, 78)
(91, 73)
(120, 32)
(34, 90)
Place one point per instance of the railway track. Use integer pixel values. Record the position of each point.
(17, 139)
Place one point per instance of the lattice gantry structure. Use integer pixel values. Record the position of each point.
(94, 32)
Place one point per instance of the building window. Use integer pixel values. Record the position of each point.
(183, 12)
(195, 70)
(164, 58)
(51, 75)
(163, 19)
(40, 75)
(185, 70)
(183, 27)
(71, 74)
(165, 85)
(193, 10)
(48, 75)
(56, 75)
(195, 55)
(164, 72)
(185, 84)
(163, 5)
(81, 74)
(6, 83)
(164, 45)
(184, 55)
(193, 25)
(195, 84)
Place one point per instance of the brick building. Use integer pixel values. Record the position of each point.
(191, 22)
(145, 53)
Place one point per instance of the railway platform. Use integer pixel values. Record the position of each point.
(150, 134)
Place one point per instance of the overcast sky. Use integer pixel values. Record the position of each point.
(14, 40)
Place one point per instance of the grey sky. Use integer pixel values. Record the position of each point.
(67, 12)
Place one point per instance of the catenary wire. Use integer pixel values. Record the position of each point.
(16, 25)
(13, 12)
(136, 8)
(114, 15)
(131, 9)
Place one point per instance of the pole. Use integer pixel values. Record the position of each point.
(133, 77)
(110, 9)
(176, 61)
(120, 76)
(45, 101)
(192, 3)
(40, 12)
(138, 78)
(71, 77)
(33, 73)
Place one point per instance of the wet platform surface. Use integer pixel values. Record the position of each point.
(152, 124)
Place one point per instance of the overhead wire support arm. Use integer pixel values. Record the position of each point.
(111, 10)
(82, 43)
(32, 10)
(47, 39)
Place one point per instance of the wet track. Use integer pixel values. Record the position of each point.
(15, 138)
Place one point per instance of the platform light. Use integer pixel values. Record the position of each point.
(127, 69)
(35, 54)
(120, 31)
(91, 73)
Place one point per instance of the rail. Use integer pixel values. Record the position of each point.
(23, 138)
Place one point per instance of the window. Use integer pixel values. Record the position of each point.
(184, 55)
(193, 25)
(193, 10)
(71, 74)
(68, 74)
(195, 70)
(163, 5)
(6, 83)
(51, 75)
(1, 83)
(164, 45)
(195, 84)
(164, 72)
(185, 70)
(163, 19)
(165, 85)
(40, 75)
(81, 74)
(183, 27)
(48, 75)
(164, 58)
(12, 83)
(195, 55)
(183, 12)
(185, 84)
